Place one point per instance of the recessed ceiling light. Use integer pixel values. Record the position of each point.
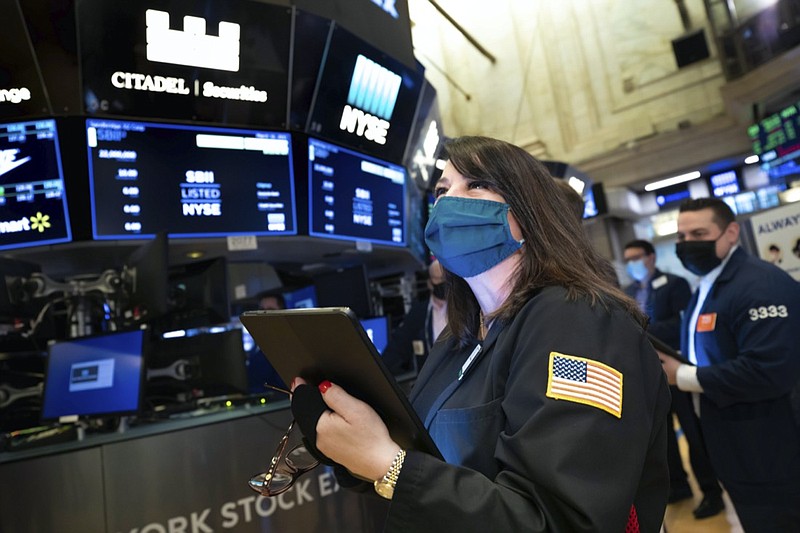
(660, 184)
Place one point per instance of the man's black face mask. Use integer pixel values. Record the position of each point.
(698, 257)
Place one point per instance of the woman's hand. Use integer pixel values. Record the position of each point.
(352, 434)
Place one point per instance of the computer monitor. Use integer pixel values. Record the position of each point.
(303, 297)
(198, 294)
(95, 376)
(190, 181)
(345, 287)
(353, 196)
(377, 329)
(212, 363)
(146, 276)
(33, 205)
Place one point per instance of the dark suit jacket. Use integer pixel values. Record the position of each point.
(669, 295)
(520, 460)
(754, 353)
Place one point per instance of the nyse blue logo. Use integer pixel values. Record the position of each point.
(373, 88)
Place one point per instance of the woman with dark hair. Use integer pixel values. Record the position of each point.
(543, 394)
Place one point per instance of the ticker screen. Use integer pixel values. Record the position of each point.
(190, 181)
(354, 196)
(33, 206)
(775, 139)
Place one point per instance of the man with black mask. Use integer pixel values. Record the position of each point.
(741, 332)
(408, 348)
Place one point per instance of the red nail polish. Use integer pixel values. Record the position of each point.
(324, 386)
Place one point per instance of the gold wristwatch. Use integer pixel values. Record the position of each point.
(385, 486)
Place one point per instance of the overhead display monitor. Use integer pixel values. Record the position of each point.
(383, 23)
(775, 139)
(426, 139)
(33, 205)
(724, 183)
(364, 99)
(353, 196)
(22, 92)
(190, 181)
(94, 376)
(186, 59)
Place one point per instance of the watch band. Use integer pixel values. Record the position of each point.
(385, 486)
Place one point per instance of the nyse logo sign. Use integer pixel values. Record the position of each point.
(192, 47)
(370, 101)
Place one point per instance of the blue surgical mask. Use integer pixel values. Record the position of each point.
(637, 270)
(469, 236)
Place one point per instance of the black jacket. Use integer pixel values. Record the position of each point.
(521, 460)
(669, 295)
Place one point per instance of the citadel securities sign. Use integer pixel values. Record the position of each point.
(228, 65)
(777, 237)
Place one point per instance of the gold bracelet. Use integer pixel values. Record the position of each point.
(385, 486)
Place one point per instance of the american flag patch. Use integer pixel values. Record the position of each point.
(582, 380)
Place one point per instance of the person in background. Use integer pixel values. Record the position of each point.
(663, 297)
(271, 300)
(741, 331)
(544, 395)
(425, 320)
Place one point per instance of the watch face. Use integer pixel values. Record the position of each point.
(385, 490)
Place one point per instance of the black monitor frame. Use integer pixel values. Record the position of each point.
(94, 342)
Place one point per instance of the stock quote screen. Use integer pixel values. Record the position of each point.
(354, 196)
(33, 206)
(190, 181)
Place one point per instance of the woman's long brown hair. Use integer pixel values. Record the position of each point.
(556, 250)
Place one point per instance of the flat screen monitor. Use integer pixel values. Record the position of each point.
(426, 139)
(189, 181)
(198, 294)
(671, 197)
(775, 138)
(147, 271)
(724, 183)
(345, 287)
(353, 196)
(594, 201)
(214, 363)
(222, 62)
(364, 99)
(303, 297)
(33, 205)
(377, 329)
(94, 376)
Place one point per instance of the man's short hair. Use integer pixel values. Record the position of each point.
(723, 214)
(272, 293)
(647, 246)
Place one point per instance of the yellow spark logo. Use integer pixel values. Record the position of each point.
(40, 222)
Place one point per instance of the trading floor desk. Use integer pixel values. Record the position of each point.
(182, 475)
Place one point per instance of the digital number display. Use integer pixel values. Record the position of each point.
(775, 139)
(354, 196)
(189, 181)
(33, 207)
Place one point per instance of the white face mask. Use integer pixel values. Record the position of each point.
(637, 270)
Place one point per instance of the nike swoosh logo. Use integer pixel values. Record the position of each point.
(11, 165)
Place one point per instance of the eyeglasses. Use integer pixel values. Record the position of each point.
(284, 468)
